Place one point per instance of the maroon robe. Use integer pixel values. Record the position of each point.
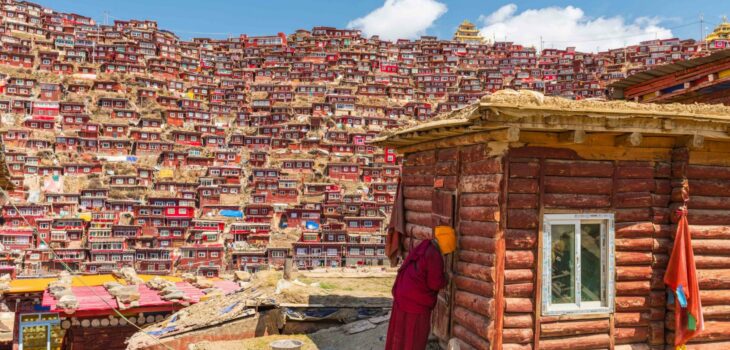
(414, 296)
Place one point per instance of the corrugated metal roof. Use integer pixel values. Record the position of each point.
(667, 69)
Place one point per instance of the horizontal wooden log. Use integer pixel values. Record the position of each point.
(524, 169)
(714, 331)
(622, 319)
(707, 217)
(477, 244)
(569, 200)
(418, 192)
(520, 239)
(629, 335)
(632, 303)
(518, 185)
(475, 271)
(518, 276)
(716, 312)
(712, 261)
(470, 338)
(478, 228)
(479, 183)
(417, 180)
(512, 346)
(444, 154)
(701, 231)
(714, 279)
(479, 304)
(482, 167)
(633, 258)
(517, 335)
(635, 185)
(519, 305)
(479, 199)
(446, 168)
(636, 288)
(519, 259)
(633, 214)
(418, 170)
(662, 186)
(474, 286)
(421, 158)
(711, 246)
(578, 168)
(634, 244)
(518, 321)
(475, 323)
(715, 297)
(486, 259)
(633, 200)
(582, 342)
(635, 229)
(644, 171)
(417, 205)
(519, 290)
(572, 328)
(522, 201)
(633, 273)
(422, 219)
(703, 202)
(479, 213)
(698, 172)
(419, 232)
(578, 185)
(720, 188)
(660, 200)
(662, 169)
(522, 218)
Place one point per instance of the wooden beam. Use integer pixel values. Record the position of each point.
(510, 134)
(631, 140)
(695, 142)
(573, 136)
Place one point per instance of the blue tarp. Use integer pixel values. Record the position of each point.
(231, 213)
(311, 225)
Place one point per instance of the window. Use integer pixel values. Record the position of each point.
(578, 263)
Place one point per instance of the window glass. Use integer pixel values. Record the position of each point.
(563, 269)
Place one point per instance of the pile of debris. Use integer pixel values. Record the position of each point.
(127, 295)
(61, 291)
(242, 304)
(168, 290)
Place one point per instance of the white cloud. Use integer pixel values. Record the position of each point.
(568, 26)
(400, 19)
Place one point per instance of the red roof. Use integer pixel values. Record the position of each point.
(91, 299)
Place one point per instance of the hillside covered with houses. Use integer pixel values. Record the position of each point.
(129, 146)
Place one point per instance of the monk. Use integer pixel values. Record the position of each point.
(419, 279)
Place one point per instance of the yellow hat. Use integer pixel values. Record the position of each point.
(446, 239)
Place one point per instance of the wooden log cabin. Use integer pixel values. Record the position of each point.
(564, 216)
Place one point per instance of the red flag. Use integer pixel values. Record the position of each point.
(681, 280)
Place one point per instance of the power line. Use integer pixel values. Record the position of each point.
(71, 272)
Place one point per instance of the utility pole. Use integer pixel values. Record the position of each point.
(702, 27)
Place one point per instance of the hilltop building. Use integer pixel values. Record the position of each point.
(467, 33)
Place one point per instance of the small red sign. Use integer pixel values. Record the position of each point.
(438, 183)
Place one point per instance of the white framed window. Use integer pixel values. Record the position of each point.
(578, 263)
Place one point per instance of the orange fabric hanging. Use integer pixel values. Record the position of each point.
(681, 280)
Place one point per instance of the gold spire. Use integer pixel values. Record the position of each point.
(721, 32)
(468, 33)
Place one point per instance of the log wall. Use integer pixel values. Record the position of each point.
(493, 298)
(467, 309)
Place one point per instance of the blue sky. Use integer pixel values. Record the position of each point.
(439, 17)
